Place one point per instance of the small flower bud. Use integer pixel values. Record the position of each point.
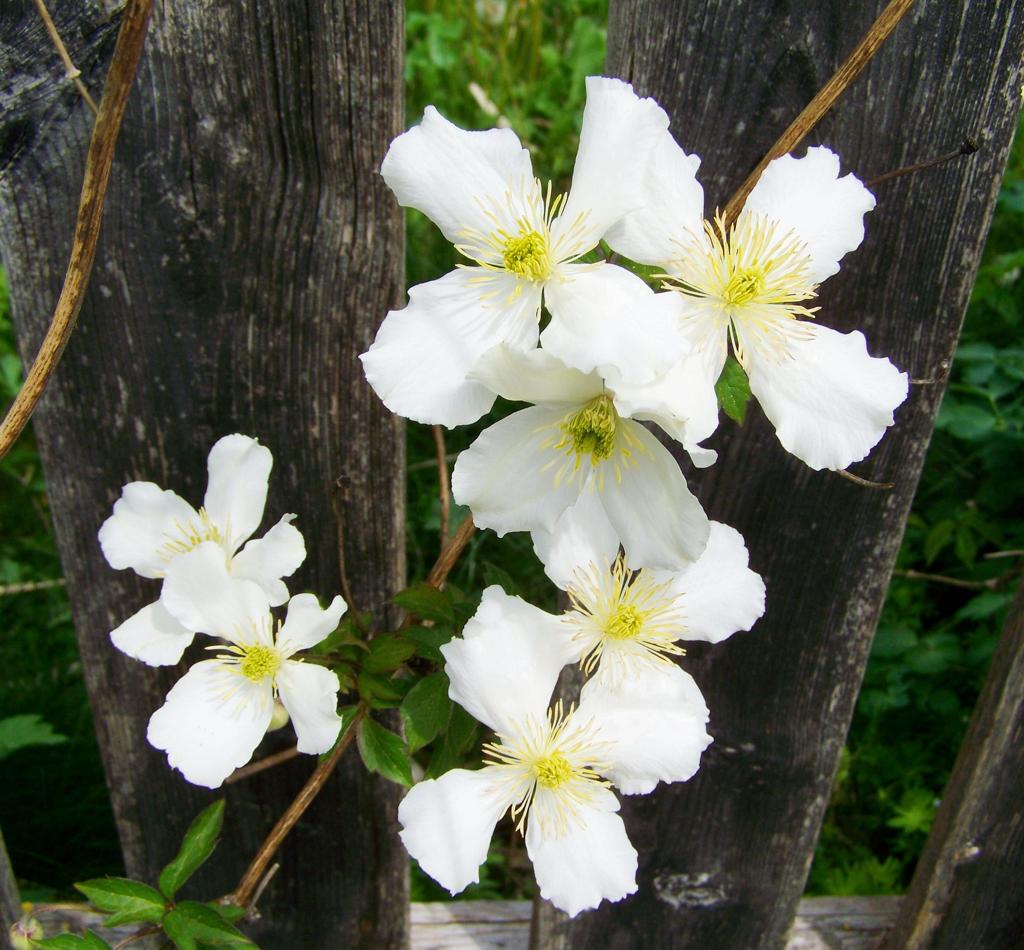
(279, 717)
(24, 932)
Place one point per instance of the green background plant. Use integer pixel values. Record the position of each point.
(526, 60)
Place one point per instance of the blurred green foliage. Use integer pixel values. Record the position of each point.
(522, 62)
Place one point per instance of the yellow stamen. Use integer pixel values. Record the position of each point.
(553, 770)
(258, 662)
(591, 430)
(191, 535)
(527, 256)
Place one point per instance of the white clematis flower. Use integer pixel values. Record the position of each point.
(218, 712)
(524, 471)
(552, 769)
(829, 401)
(523, 245)
(152, 527)
(627, 621)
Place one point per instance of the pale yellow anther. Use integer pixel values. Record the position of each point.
(591, 430)
(259, 662)
(526, 256)
(625, 623)
(553, 770)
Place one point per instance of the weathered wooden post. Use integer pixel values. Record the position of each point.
(724, 857)
(248, 251)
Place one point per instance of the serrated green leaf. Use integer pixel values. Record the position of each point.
(86, 941)
(733, 391)
(126, 901)
(426, 710)
(428, 641)
(387, 654)
(19, 732)
(426, 602)
(384, 752)
(196, 847)
(191, 924)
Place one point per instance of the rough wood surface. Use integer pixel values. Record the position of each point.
(10, 899)
(724, 857)
(967, 889)
(822, 923)
(249, 250)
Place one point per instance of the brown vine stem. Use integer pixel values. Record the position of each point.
(261, 765)
(70, 69)
(254, 873)
(824, 100)
(90, 215)
(443, 484)
(450, 554)
(967, 147)
(863, 482)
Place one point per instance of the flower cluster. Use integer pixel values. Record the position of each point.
(608, 508)
(218, 712)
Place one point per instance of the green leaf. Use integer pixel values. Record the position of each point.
(426, 710)
(18, 732)
(87, 941)
(426, 602)
(347, 714)
(733, 390)
(388, 653)
(192, 924)
(126, 901)
(937, 538)
(196, 847)
(380, 691)
(230, 912)
(384, 752)
(428, 640)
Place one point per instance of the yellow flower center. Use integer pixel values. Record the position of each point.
(625, 623)
(526, 256)
(553, 770)
(592, 429)
(258, 662)
(743, 286)
(191, 535)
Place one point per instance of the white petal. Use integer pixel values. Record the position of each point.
(654, 723)
(201, 594)
(145, 518)
(720, 593)
(808, 196)
(307, 623)
(153, 636)
(672, 206)
(604, 318)
(659, 521)
(587, 864)
(211, 723)
(682, 400)
(536, 376)
(236, 494)
(619, 133)
(419, 362)
(502, 477)
(505, 666)
(454, 176)
(583, 535)
(830, 402)
(447, 824)
(310, 694)
(266, 560)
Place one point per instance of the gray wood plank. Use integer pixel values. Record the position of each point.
(248, 252)
(724, 857)
(966, 890)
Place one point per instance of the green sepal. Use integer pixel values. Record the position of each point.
(126, 901)
(191, 925)
(384, 752)
(733, 391)
(196, 847)
(426, 710)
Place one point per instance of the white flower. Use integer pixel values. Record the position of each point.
(829, 401)
(524, 471)
(523, 245)
(550, 768)
(626, 621)
(218, 712)
(152, 527)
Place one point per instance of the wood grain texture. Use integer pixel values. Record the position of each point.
(249, 251)
(724, 857)
(10, 899)
(966, 890)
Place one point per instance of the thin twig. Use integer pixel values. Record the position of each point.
(27, 587)
(262, 886)
(261, 765)
(243, 894)
(864, 482)
(443, 484)
(446, 561)
(138, 935)
(339, 523)
(993, 583)
(824, 100)
(423, 464)
(967, 147)
(90, 215)
(994, 554)
(70, 69)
